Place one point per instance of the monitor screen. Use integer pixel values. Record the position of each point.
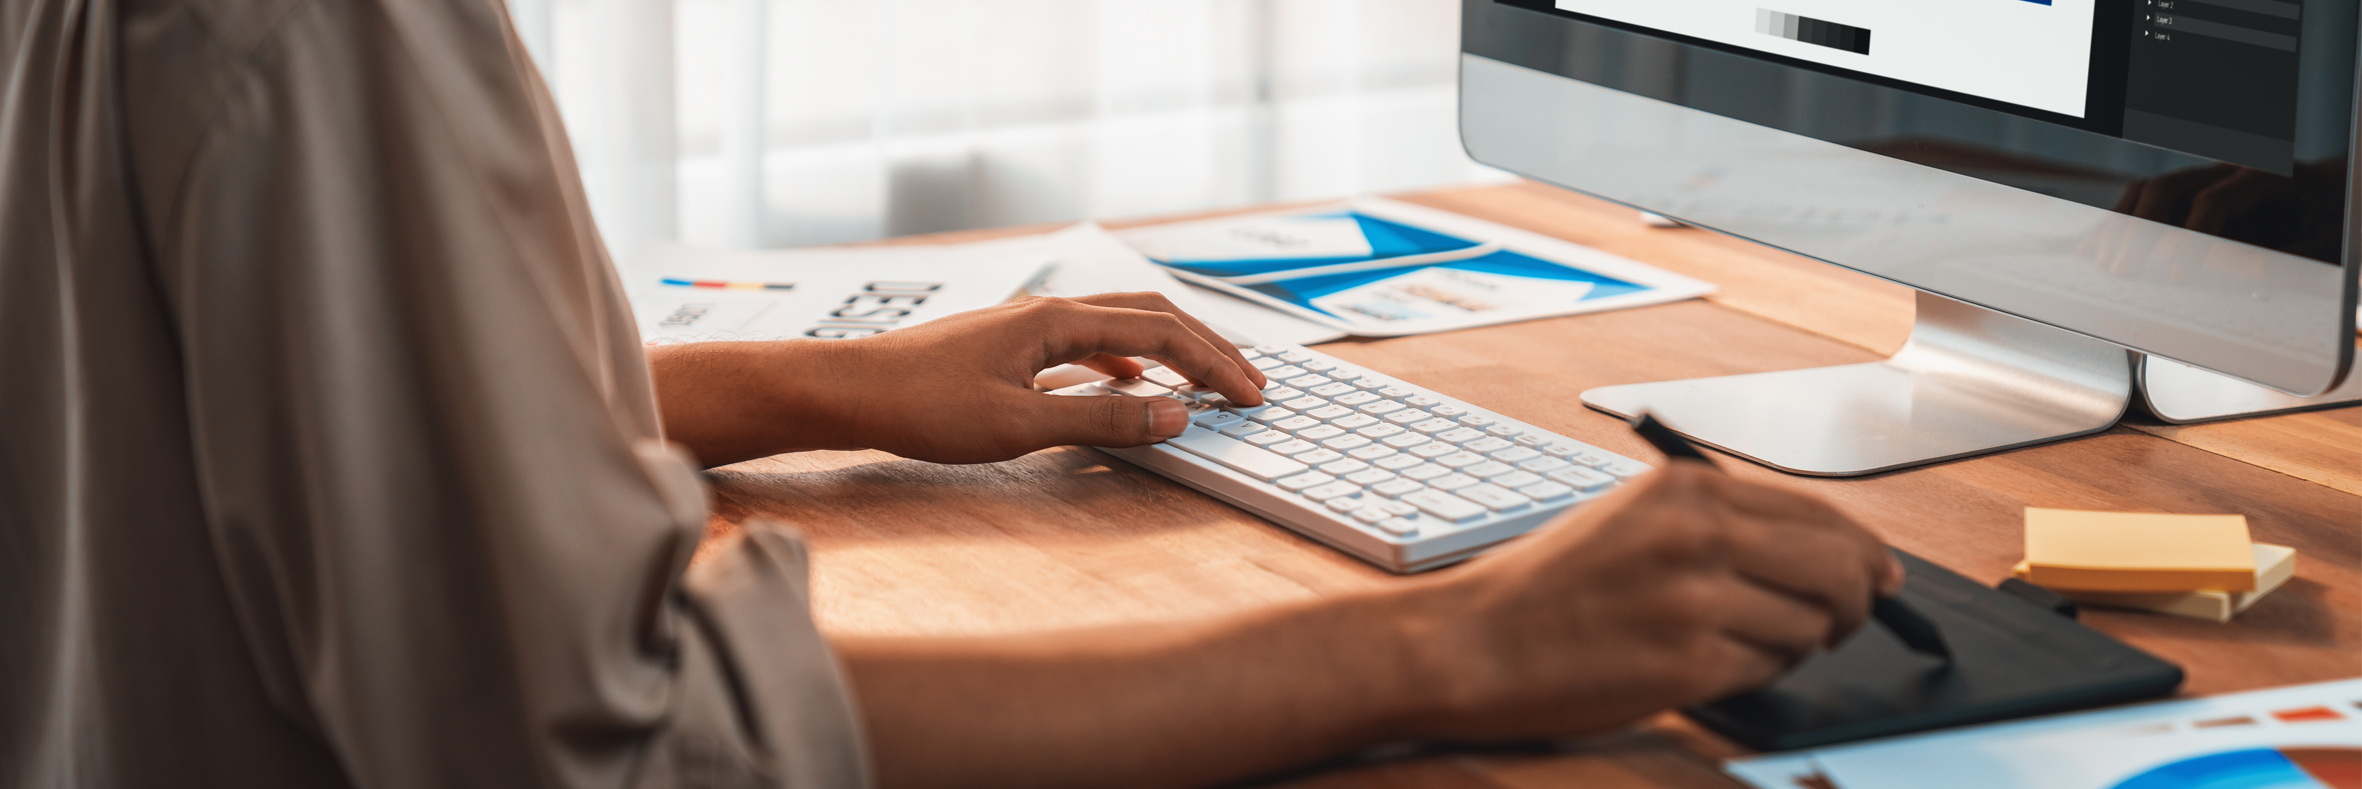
(2139, 106)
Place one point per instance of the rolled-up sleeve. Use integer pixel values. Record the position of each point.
(455, 542)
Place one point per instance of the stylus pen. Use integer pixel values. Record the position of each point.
(1914, 630)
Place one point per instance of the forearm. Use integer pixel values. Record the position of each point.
(1146, 705)
(733, 401)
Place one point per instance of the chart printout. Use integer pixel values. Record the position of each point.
(2026, 52)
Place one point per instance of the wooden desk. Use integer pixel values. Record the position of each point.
(1070, 537)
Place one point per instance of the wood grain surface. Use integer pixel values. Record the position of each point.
(1071, 537)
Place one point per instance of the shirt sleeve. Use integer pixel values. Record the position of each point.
(456, 544)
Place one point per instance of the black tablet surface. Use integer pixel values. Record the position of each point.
(2010, 659)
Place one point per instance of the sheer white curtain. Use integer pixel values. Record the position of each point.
(791, 122)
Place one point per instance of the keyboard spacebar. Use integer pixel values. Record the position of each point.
(1236, 454)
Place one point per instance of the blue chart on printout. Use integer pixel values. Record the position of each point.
(1388, 240)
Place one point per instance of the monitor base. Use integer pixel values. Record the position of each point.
(2181, 394)
(1969, 381)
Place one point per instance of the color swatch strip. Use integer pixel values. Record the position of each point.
(1813, 31)
(728, 285)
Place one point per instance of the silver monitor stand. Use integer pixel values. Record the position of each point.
(2182, 394)
(1969, 381)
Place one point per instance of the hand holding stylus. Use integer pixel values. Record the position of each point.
(1914, 630)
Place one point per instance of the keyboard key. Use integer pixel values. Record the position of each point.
(1305, 403)
(1581, 479)
(1272, 349)
(1328, 412)
(1515, 455)
(1446, 411)
(1397, 487)
(1214, 419)
(1366, 382)
(1422, 401)
(1332, 390)
(1309, 380)
(1395, 392)
(1424, 472)
(1544, 465)
(1356, 422)
(1266, 362)
(1348, 503)
(1136, 387)
(1504, 431)
(1332, 490)
(1318, 432)
(1341, 467)
(1372, 452)
(1561, 451)
(1242, 428)
(1369, 476)
(1268, 437)
(1193, 392)
(1445, 506)
(1433, 450)
(1592, 458)
(1371, 515)
(1381, 408)
(1375, 430)
(1282, 394)
(1394, 462)
(1317, 457)
(1547, 492)
(1295, 423)
(1405, 441)
(1532, 440)
(1293, 446)
(1451, 482)
(1319, 365)
(1512, 480)
(1486, 470)
(1346, 443)
(1457, 459)
(1355, 399)
(1495, 498)
(1435, 426)
(1230, 452)
(1284, 373)
(1398, 527)
(1304, 480)
(1487, 445)
(1266, 414)
(1296, 357)
(1459, 435)
(1407, 416)
(1476, 420)
(1166, 377)
(1625, 469)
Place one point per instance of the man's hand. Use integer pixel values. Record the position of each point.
(953, 390)
(1686, 586)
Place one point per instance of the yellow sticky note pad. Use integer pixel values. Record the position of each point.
(2138, 552)
(2274, 565)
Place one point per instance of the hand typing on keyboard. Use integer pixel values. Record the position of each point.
(953, 390)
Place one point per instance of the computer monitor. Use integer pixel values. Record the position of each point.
(2100, 202)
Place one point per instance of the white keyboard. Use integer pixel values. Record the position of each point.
(1395, 474)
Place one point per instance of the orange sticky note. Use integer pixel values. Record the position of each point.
(2138, 552)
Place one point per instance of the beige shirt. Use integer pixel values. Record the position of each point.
(328, 454)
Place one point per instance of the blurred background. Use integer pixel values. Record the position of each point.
(771, 123)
